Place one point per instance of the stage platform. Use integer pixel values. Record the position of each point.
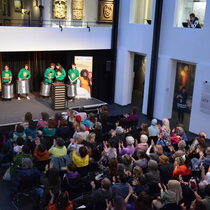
(13, 111)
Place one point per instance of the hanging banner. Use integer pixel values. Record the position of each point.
(85, 67)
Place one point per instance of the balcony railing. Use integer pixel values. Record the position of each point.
(52, 23)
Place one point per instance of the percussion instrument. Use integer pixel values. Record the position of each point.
(45, 89)
(22, 86)
(8, 91)
(71, 91)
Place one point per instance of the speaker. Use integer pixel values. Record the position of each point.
(108, 66)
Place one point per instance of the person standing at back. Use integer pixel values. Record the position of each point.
(73, 75)
(181, 104)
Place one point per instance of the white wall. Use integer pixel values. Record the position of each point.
(190, 45)
(176, 44)
(199, 120)
(44, 39)
(140, 11)
(132, 38)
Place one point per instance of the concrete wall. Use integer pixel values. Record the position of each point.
(188, 45)
(132, 38)
(176, 44)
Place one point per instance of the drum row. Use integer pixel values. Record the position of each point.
(23, 88)
(46, 89)
(8, 89)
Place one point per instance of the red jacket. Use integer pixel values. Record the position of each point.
(182, 170)
(41, 156)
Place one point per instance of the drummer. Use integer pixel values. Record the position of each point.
(6, 75)
(73, 75)
(49, 74)
(60, 73)
(24, 74)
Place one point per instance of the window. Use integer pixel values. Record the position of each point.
(186, 7)
(141, 11)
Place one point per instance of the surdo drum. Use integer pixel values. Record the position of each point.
(71, 91)
(22, 86)
(8, 91)
(45, 89)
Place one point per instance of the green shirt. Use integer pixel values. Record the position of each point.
(24, 74)
(61, 75)
(73, 74)
(49, 73)
(6, 74)
(49, 132)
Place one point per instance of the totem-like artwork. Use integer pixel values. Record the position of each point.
(77, 9)
(60, 9)
(106, 10)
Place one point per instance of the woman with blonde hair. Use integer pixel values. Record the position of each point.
(166, 132)
(172, 195)
(143, 145)
(166, 124)
(91, 138)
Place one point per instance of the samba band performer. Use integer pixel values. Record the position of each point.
(6, 75)
(7, 92)
(60, 73)
(49, 75)
(23, 85)
(73, 75)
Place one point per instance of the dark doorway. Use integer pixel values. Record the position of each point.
(139, 78)
(183, 93)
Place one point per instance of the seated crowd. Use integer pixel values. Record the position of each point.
(97, 161)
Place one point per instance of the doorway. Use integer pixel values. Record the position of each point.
(183, 93)
(139, 71)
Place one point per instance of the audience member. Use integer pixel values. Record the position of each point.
(106, 166)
